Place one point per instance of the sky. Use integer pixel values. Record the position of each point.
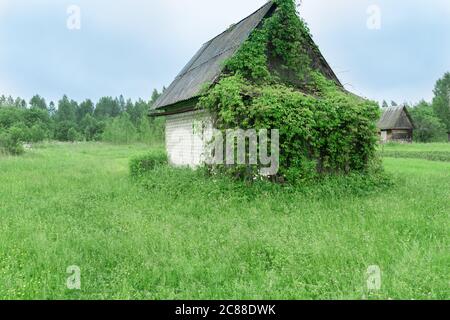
(379, 49)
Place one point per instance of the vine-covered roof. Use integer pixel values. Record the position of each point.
(207, 64)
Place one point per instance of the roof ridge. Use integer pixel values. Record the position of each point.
(235, 24)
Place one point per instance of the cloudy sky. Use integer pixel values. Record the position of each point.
(380, 49)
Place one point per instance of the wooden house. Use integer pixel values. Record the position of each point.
(188, 130)
(396, 125)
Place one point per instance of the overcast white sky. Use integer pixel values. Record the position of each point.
(132, 46)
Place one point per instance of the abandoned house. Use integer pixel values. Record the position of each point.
(396, 125)
(188, 130)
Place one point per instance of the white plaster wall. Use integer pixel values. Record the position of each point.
(187, 137)
(384, 136)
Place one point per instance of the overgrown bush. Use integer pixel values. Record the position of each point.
(11, 141)
(37, 133)
(142, 164)
(274, 82)
(65, 131)
(73, 135)
(33, 124)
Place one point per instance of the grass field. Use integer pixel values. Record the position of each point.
(417, 147)
(183, 236)
(430, 151)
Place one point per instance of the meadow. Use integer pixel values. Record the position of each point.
(181, 235)
(428, 151)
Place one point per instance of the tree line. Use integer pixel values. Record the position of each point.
(432, 120)
(111, 119)
(117, 120)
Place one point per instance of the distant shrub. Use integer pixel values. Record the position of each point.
(91, 128)
(120, 130)
(73, 135)
(34, 123)
(64, 132)
(150, 130)
(429, 128)
(139, 165)
(10, 116)
(11, 141)
(37, 133)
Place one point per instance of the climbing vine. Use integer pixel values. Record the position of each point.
(274, 82)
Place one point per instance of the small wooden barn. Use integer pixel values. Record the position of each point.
(396, 125)
(189, 130)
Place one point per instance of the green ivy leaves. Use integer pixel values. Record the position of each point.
(270, 84)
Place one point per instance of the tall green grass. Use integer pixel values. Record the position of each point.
(178, 234)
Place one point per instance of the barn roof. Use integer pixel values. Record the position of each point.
(395, 118)
(206, 65)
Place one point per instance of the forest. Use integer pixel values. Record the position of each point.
(111, 119)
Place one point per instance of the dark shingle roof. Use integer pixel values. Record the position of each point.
(206, 65)
(395, 118)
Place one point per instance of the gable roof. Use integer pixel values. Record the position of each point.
(206, 65)
(396, 118)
